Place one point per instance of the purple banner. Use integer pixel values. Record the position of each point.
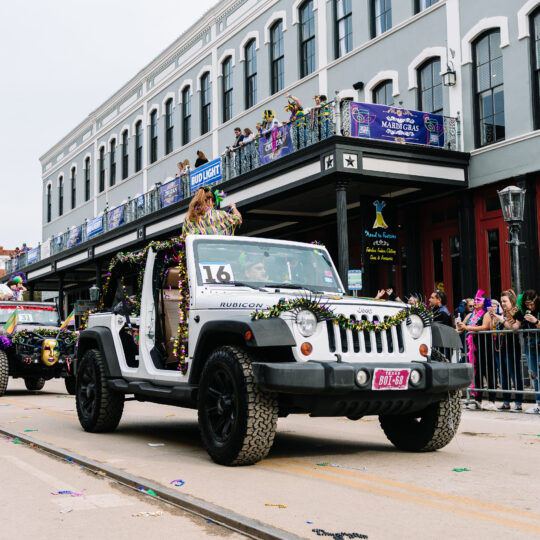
(386, 123)
(171, 192)
(116, 217)
(275, 144)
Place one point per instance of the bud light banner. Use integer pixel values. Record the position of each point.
(171, 192)
(275, 144)
(116, 217)
(386, 123)
(94, 227)
(209, 173)
(75, 236)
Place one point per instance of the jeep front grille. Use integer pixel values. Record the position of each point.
(349, 342)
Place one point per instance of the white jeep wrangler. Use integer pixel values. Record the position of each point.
(246, 330)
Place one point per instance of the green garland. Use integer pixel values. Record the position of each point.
(323, 312)
(65, 335)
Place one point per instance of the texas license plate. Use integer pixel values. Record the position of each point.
(390, 379)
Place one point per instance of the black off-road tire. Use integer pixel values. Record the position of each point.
(237, 420)
(429, 429)
(71, 385)
(34, 383)
(98, 407)
(4, 372)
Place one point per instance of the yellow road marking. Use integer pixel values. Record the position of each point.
(317, 474)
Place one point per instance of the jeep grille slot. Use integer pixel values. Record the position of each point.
(367, 337)
(399, 336)
(344, 344)
(355, 337)
(331, 337)
(389, 337)
(378, 337)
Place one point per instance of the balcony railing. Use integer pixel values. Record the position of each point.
(315, 126)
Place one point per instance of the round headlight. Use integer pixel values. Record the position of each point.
(306, 322)
(415, 326)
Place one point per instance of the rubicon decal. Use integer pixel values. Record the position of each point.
(246, 305)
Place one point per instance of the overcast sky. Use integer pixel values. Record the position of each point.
(59, 60)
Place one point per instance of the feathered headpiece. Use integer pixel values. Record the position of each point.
(268, 114)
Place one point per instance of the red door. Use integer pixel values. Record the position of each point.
(493, 253)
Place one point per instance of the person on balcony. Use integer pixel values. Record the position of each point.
(201, 159)
(294, 107)
(321, 115)
(204, 218)
(529, 305)
(248, 136)
(238, 138)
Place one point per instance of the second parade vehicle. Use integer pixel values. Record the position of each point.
(246, 330)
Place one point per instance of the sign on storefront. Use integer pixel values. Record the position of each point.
(210, 173)
(380, 240)
(171, 192)
(354, 280)
(75, 236)
(275, 144)
(392, 124)
(94, 227)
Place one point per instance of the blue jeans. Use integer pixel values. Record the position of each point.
(509, 369)
(531, 351)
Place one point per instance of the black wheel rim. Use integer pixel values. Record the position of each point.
(221, 405)
(87, 393)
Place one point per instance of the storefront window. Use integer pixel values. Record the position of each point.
(494, 261)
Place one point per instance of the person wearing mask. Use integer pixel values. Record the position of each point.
(529, 305)
(480, 350)
(201, 159)
(437, 302)
(509, 349)
(204, 218)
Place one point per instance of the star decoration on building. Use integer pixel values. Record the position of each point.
(350, 161)
(329, 162)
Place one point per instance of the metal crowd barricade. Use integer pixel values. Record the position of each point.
(506, 364)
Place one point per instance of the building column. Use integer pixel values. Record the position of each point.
(61, 296)
(342, 230)
(529, 235)
(467, 242)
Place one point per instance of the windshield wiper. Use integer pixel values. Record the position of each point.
(242, 284)
(292, 286)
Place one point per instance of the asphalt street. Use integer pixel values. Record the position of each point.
(323, 476)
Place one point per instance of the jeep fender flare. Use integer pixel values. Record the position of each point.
(99, 337)
(444, 336)
(264, 333)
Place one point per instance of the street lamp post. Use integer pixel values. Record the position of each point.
(512, 201)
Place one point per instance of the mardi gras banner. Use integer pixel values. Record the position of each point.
(75, 236)
(140, 201)
(94, 227)
(33, 256)
(209, 173)
(171, 192)
(275, 144)
(116, 217)
(386, 123)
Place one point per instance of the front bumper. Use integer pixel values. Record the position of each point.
(340, 378)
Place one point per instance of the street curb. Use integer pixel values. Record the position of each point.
(217, 514)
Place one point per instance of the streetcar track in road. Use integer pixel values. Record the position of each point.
(410, 494)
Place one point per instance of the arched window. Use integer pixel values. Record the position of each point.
(125, 154)
(169, 126)
(102, 169)
(307, 39)
(535, 54)
(205, 103)
(277, 57)
(49, 204)
(60, 195)
(138, 146)
(381, 16)
(430, 87)
(226, 79)
(112, 163)
(73, 188)
(343, 27)
(153, 136)
(489, 88)
(251, 73)
(87, 179)
(420, 5)
(382, 94)
(186, 115)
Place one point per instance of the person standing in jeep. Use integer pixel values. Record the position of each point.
(204, 218)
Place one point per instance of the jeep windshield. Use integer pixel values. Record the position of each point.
(262, 264)
(34, 315)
